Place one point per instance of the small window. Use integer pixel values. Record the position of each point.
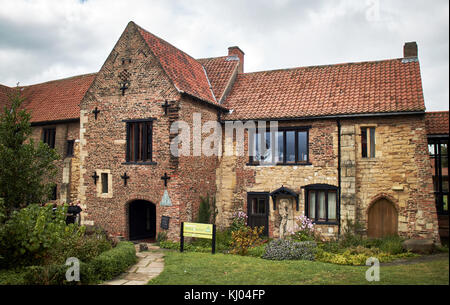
(139, 141)
(70, 145)
(368, 142)
(54, 194)
(321, 204)
(104, 178)
(49, 137)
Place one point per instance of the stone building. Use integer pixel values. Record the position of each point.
(350, 147)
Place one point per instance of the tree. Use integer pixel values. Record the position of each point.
(26, 169)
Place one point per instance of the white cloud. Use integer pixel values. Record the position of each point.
(42, 40)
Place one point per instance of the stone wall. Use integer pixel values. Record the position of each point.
(235, 178)
(67, 177)
(399, 173)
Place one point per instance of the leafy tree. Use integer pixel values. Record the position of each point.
(26, 169)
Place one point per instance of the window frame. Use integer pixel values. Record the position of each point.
(49, 136)
(369, 142)
(70, 145)
(327, 189)
(143, 147)
(273, 138)
(436, 159)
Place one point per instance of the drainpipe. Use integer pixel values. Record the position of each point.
(339, 177)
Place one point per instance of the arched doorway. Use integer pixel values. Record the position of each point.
(383, 219)
(142, 220)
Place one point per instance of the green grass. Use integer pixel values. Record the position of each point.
(224, 269)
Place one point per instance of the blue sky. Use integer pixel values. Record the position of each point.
(44, 40)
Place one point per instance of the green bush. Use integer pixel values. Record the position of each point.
(257, 251)
(103, 267)
(245, 238)
(30, 233)
(357, 256)
(285, 249)
(162, 236)
(206, 210)
(115, 261)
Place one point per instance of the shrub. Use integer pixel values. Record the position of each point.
(239, 221)
(357, 257)
(257, 251)
(303, 229)
(162, 236)
(207, 209)
(245, 238)
(104, 267)
(285, 249)
(30, 233)
(115, 261)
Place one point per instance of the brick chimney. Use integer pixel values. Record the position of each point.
(410, 49)
(235, 51)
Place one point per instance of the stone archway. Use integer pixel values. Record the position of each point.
(141, 220)
(382, 219)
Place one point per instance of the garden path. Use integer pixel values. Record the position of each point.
(150, 264)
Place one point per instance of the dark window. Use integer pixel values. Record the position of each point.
(258, 211)
(54, 194)
(321, 204)
(49, 136)
(104, 177)
(368, 142)
(283, 147)
(438, 150)
(139, 141)
(69, 151)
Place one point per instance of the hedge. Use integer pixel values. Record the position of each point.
(103, 267)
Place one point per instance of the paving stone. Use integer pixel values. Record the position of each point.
(136, 283)
(115, 282)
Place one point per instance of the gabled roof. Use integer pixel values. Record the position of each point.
(353, 88)
(187, 74)
(437, 123)
(220, 71)
(56, 100)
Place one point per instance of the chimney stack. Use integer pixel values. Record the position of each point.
(236, 51)
(410, 49)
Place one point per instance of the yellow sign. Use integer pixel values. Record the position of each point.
(199, 230)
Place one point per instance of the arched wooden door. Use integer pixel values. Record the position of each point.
(383, 219)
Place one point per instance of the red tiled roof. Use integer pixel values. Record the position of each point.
(220, 70)
(56, 100)
(437, 122)
(354, 88)
(4, 96)
(186, 73)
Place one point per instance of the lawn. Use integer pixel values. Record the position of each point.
(225, 269)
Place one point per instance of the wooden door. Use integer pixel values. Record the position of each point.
(258, 211)
(383, 219)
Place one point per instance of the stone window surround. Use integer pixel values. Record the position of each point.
(359, 145)
(100, 194)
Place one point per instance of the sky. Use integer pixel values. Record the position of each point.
(46, 40)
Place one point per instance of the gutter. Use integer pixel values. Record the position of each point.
(339, 177)
(338, 116)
